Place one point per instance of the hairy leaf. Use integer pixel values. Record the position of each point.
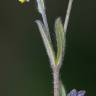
(46, 41)
(59, 30)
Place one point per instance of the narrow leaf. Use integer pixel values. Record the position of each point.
(62, 90)
(59, 30)
(41, 9)
(46, 41)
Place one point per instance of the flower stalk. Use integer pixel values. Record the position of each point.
(67, 15)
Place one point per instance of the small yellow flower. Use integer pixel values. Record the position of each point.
(23, 1)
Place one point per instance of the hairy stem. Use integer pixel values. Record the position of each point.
(56, 81)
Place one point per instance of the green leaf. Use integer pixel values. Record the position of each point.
(60, 38)
(46, 41)
(62, 90)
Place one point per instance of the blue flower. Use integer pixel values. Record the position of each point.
(74, 92)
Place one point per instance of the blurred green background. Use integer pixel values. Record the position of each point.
(24, 65)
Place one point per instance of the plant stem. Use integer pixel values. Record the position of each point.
(56, 81)
(67, 15)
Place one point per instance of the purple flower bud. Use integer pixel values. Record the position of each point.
(74, 92)
(81, 93)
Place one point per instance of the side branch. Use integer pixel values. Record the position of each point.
(67, 15)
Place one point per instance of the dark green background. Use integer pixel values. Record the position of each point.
(24, 65)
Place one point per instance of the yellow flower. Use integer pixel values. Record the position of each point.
(23, 1)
